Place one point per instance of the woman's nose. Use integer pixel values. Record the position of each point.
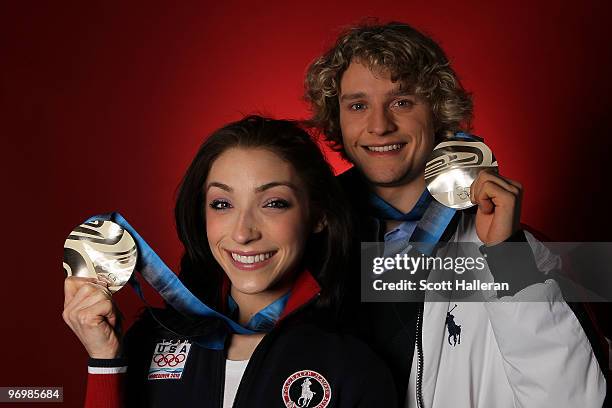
(246, 229)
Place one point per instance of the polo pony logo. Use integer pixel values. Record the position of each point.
(306, 389)
(454, 330)
(307, 394)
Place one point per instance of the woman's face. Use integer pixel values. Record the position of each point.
(257, 218)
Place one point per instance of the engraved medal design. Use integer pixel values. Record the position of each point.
(453, 167)
(103, 250)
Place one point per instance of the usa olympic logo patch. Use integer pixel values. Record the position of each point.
(306, 389)
(168, 361)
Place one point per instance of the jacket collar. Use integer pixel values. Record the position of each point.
(305, 288)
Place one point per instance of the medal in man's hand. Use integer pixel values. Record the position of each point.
(453, 167)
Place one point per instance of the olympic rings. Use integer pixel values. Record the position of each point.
(172, 360)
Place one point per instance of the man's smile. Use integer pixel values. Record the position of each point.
(384, 149)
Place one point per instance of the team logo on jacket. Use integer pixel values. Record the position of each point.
(454, 330)
(169, 359)
(306, 389)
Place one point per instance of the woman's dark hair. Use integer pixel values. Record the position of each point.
(326, 252)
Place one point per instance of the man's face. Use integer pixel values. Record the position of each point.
(387, 133)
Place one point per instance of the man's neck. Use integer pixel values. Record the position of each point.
(403, 197)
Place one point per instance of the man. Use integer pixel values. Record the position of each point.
(385, 95)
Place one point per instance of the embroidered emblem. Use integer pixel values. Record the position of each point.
(454, 330)
(169, 359)
(306, 389)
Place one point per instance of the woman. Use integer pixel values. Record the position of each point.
(265, 237)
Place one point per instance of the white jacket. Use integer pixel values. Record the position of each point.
(511, 354)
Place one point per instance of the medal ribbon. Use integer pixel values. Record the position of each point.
(433, 218)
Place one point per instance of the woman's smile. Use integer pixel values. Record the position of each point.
(250, 260)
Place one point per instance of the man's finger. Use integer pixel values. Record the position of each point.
(491, 194)
(515, 183)
(512, 186)
(500, 180)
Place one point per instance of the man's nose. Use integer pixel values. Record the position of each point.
(246, 229)
(380, 121)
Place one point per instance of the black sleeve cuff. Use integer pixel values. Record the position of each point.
(107, 362)
(512, 261)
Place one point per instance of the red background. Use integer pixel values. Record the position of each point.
(104, 105)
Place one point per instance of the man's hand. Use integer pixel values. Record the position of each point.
(499, 207)
(91, 314)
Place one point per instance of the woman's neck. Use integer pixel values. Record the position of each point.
(242, 346)
(250, 304)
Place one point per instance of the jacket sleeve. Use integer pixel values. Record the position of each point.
(548, 359)
(105, 383)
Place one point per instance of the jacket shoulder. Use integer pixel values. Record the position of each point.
(342, 347)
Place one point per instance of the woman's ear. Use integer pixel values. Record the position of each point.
(320, 225)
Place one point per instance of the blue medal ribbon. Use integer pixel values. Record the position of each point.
(430, 216)
(265, 319)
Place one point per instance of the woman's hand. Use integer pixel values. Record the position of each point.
(91, 314)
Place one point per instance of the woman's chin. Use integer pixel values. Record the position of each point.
(250, 288)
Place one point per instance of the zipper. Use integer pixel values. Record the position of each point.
(419, 343)
(249, 368)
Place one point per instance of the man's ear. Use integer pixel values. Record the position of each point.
(320, 225)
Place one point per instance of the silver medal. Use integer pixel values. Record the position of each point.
(453, 167)
(103, 250)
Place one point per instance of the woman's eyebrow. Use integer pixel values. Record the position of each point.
(219, 185)
(271, 184)
(259, 189)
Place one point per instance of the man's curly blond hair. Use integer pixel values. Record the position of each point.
(411, 58)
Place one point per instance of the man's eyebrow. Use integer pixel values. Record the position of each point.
(219, 185)
(400, 92)
(352, 96)
(272, 184)
(361, 95)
